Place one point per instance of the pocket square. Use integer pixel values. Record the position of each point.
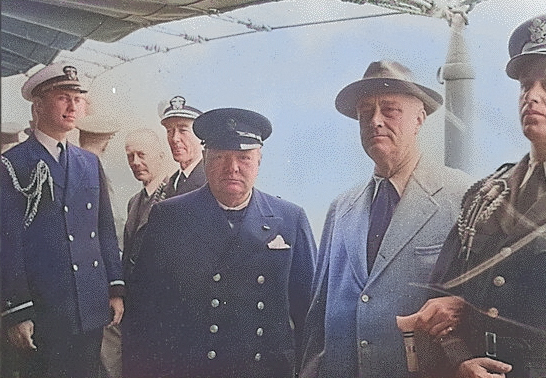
(278, 243)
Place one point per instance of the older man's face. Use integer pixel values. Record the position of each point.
(185, 146)
(532, 102)
(232, 174)
(144, 157)
(389, 124)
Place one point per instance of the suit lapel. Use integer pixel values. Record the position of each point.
(354, 233)
(415, 208)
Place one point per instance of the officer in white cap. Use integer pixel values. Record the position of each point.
(495, 257)
(177, 118)
(224, 274)
(61, 271)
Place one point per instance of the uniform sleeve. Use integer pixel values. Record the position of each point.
(142, 332)
(301, 277)
(313, 338)
(108, 240)
(17, 305)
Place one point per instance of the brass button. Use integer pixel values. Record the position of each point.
(499, 281)
(493, 312)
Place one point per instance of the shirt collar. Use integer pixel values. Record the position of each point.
(238, 207)
(49, 143)
(187, 172)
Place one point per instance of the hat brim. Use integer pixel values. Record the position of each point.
(28, 93)
(519, 62)
(347, 99)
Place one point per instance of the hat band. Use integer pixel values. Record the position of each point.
(250, 135)
(57, 81)
(180, 113)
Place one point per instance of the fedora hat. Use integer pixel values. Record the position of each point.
(385, 77)
(527, 42)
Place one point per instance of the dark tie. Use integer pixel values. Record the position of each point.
(62, 155)
(381, 212)
(535, 186)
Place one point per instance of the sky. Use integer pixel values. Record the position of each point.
(292, 76)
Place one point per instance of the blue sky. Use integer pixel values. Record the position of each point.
(292, 76)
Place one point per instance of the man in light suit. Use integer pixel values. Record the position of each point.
(223, 280)
(61, 269)
(351, 329)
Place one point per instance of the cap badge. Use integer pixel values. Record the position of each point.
(538, 31)
(178, 102)
(71, 73)
(231, 123)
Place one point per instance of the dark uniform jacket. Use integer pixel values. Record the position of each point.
(57, 271)
(195, 180)
(206, 301)
(508, 320)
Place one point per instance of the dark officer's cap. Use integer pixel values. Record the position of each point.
(57, 75)
(232, 129)
(527, 42)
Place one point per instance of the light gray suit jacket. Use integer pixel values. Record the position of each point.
(351, 327)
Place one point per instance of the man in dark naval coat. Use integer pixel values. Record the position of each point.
(495, 257)
(223, 281)
(61, 268)
(186, 148)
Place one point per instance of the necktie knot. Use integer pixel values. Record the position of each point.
(62, 155)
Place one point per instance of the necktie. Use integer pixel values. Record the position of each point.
(380, 216)
(536, 185)
(62, 155)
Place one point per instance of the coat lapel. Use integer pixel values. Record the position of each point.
(38, 152)
(415, 208)
(260, 225)
(77, 166)
(354, 233)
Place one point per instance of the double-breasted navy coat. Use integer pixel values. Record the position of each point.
(207, 301)
(58, 270)
(507, 319)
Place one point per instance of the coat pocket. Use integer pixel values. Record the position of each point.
(424, 260)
